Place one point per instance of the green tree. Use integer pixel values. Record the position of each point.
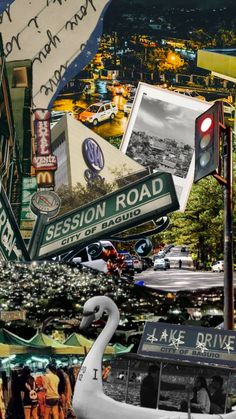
(201, 225)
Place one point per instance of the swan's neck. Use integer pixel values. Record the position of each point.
(95, 354)
(90, 376)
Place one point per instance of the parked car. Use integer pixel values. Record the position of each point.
(218, 266)
(128, 265)
(159, 263)
(115, 87)
(167, 261)
(190, 93)
(147, 262)
(128, 90)
(87, 258)
(98, 112)
(128, 106)
(138, 263)
(160, 254)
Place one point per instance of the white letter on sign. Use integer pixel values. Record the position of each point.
(157, 186)
(120, 201)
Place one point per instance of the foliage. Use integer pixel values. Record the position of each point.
(84, 194)
(165, 60)
(201, 225)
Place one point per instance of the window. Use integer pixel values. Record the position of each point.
(20, 77)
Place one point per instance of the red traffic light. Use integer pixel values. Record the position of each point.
(207, 138)
(206, 123)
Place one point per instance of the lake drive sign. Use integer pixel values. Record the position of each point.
(150, 197)
(188, 343)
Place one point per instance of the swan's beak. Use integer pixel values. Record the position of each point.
(87, 319)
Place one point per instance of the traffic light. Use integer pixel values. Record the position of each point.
(207, 139)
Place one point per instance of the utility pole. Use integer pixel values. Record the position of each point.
(228, 231)
(213, 156)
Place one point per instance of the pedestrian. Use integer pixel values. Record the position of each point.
(15, 406)
(200, 402)
(29, 394)
(180, 264)
(41, 395)
(217, 395)
(149, 388)
(51, 382)
(61, 391)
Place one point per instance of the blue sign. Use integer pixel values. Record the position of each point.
(93, 155)
(188, 343)
(143, 247)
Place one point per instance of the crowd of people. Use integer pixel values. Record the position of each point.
(204, 400)
(38, 396)
(48, 395)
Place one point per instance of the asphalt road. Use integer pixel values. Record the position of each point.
(181, 279)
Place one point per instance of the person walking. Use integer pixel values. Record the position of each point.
(51, 382)
(28, 394)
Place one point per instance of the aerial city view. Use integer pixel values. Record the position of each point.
(117, 209)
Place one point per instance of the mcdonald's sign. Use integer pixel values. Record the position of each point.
(45, 179)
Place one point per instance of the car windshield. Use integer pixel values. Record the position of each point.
(93, 108)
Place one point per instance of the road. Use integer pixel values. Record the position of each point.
(181, 279)
(115, 128)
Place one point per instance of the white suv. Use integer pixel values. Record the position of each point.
(218, 266)
(98, 112)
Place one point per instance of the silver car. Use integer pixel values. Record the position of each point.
(159, 263)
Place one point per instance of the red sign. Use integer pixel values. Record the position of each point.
(43, 138)
(45, 162)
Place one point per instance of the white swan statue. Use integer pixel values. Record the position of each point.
(89, 400)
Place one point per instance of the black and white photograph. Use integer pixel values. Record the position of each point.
(160, 134)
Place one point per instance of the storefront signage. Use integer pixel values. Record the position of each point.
(45, 179)
(45, 162)
(143, 200)
(197, 344)
(43, 138)
(93, 157)
(9, 316)
(27, 218)
(12, 246)
(45, 202)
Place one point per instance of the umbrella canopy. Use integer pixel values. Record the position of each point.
(40, 339)
(10, 338)
(7, 350)
(121, 349)
(78, 340)
(44, 341)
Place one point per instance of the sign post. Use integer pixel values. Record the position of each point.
(148, 198)
(44, 204)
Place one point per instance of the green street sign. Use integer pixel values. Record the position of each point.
(12, 246)
(150, 197)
